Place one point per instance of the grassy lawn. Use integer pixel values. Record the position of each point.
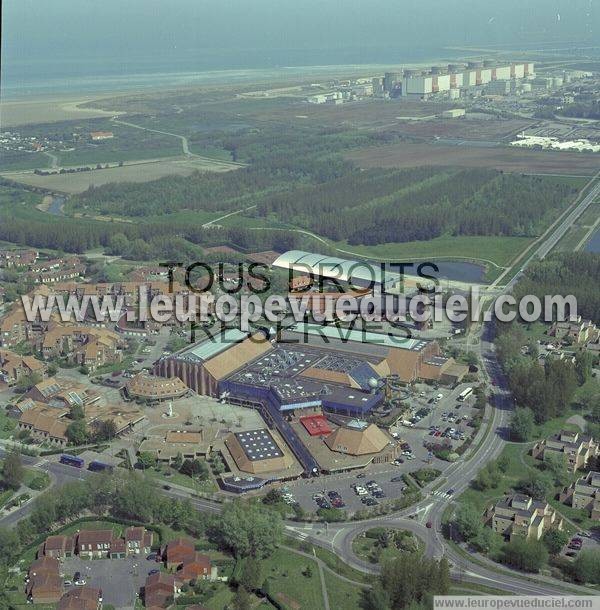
(31, 161)
(366, 548)
(499, 250)
(342, 594)
(220, 599)
(287, 583)
(168, 476)
(370, 550)
(118, 366)
(572, 237)
(7, 425)
(330, 559)
(557, 424)
(5, 496)
(103, 155)
(482, 499)
(36, 479)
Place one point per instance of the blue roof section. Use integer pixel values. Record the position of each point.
(362, 374)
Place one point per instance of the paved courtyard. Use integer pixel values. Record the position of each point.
(119, 579)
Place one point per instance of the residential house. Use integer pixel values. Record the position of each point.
(45, 424)
(176, 552)
(14, 367)
(56, 270)
(578, 331)
(577, 448)
(94, 544)
(59, 547)
(160, 590)
(81, 598)
(584, 494)
(13, 328)
(17, 258)
(196, 567)
(521, 515)
(90, 347)
(181, 556)
(44, 584)
(138, 540)
(118, 549)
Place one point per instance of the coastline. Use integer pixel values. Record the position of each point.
(31, 107)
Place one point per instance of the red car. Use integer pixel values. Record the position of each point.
(429, 525)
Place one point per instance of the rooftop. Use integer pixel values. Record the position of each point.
(258, 445)
(219, 342)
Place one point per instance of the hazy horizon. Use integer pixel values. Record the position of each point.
(85, 41)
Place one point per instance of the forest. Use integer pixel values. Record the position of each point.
(575, 273)
(296, 178)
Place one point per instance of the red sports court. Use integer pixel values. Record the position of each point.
(316, 425)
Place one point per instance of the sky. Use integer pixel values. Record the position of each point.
(35, 27)
(71, 37)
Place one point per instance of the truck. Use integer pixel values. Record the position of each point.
(71, 460)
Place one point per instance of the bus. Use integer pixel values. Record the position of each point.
(465, 394)
(100, 466)
(71, 460)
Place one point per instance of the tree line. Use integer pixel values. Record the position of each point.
(568, 273)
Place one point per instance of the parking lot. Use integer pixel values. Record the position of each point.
(447, 412)
(119, 579)
(582, 540)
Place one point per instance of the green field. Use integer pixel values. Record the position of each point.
(169, 476)
(342, 594)
(498, 250)
(7, 425)
(482, 499)
(101, 155)
(31, 161)
(288, 582)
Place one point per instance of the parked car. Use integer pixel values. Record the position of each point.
(155, 571)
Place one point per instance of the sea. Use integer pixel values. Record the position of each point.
(43, 77)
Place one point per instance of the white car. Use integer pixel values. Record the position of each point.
(81, 582)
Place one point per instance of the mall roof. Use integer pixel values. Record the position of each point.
(358, 336)
(213, 345)
(356, 272)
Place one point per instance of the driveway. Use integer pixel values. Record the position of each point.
(119, 579)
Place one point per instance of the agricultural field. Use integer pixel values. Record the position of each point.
(405, 155)
(140, 171)
(468, 129)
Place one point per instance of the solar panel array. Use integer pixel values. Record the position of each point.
(258, 445)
